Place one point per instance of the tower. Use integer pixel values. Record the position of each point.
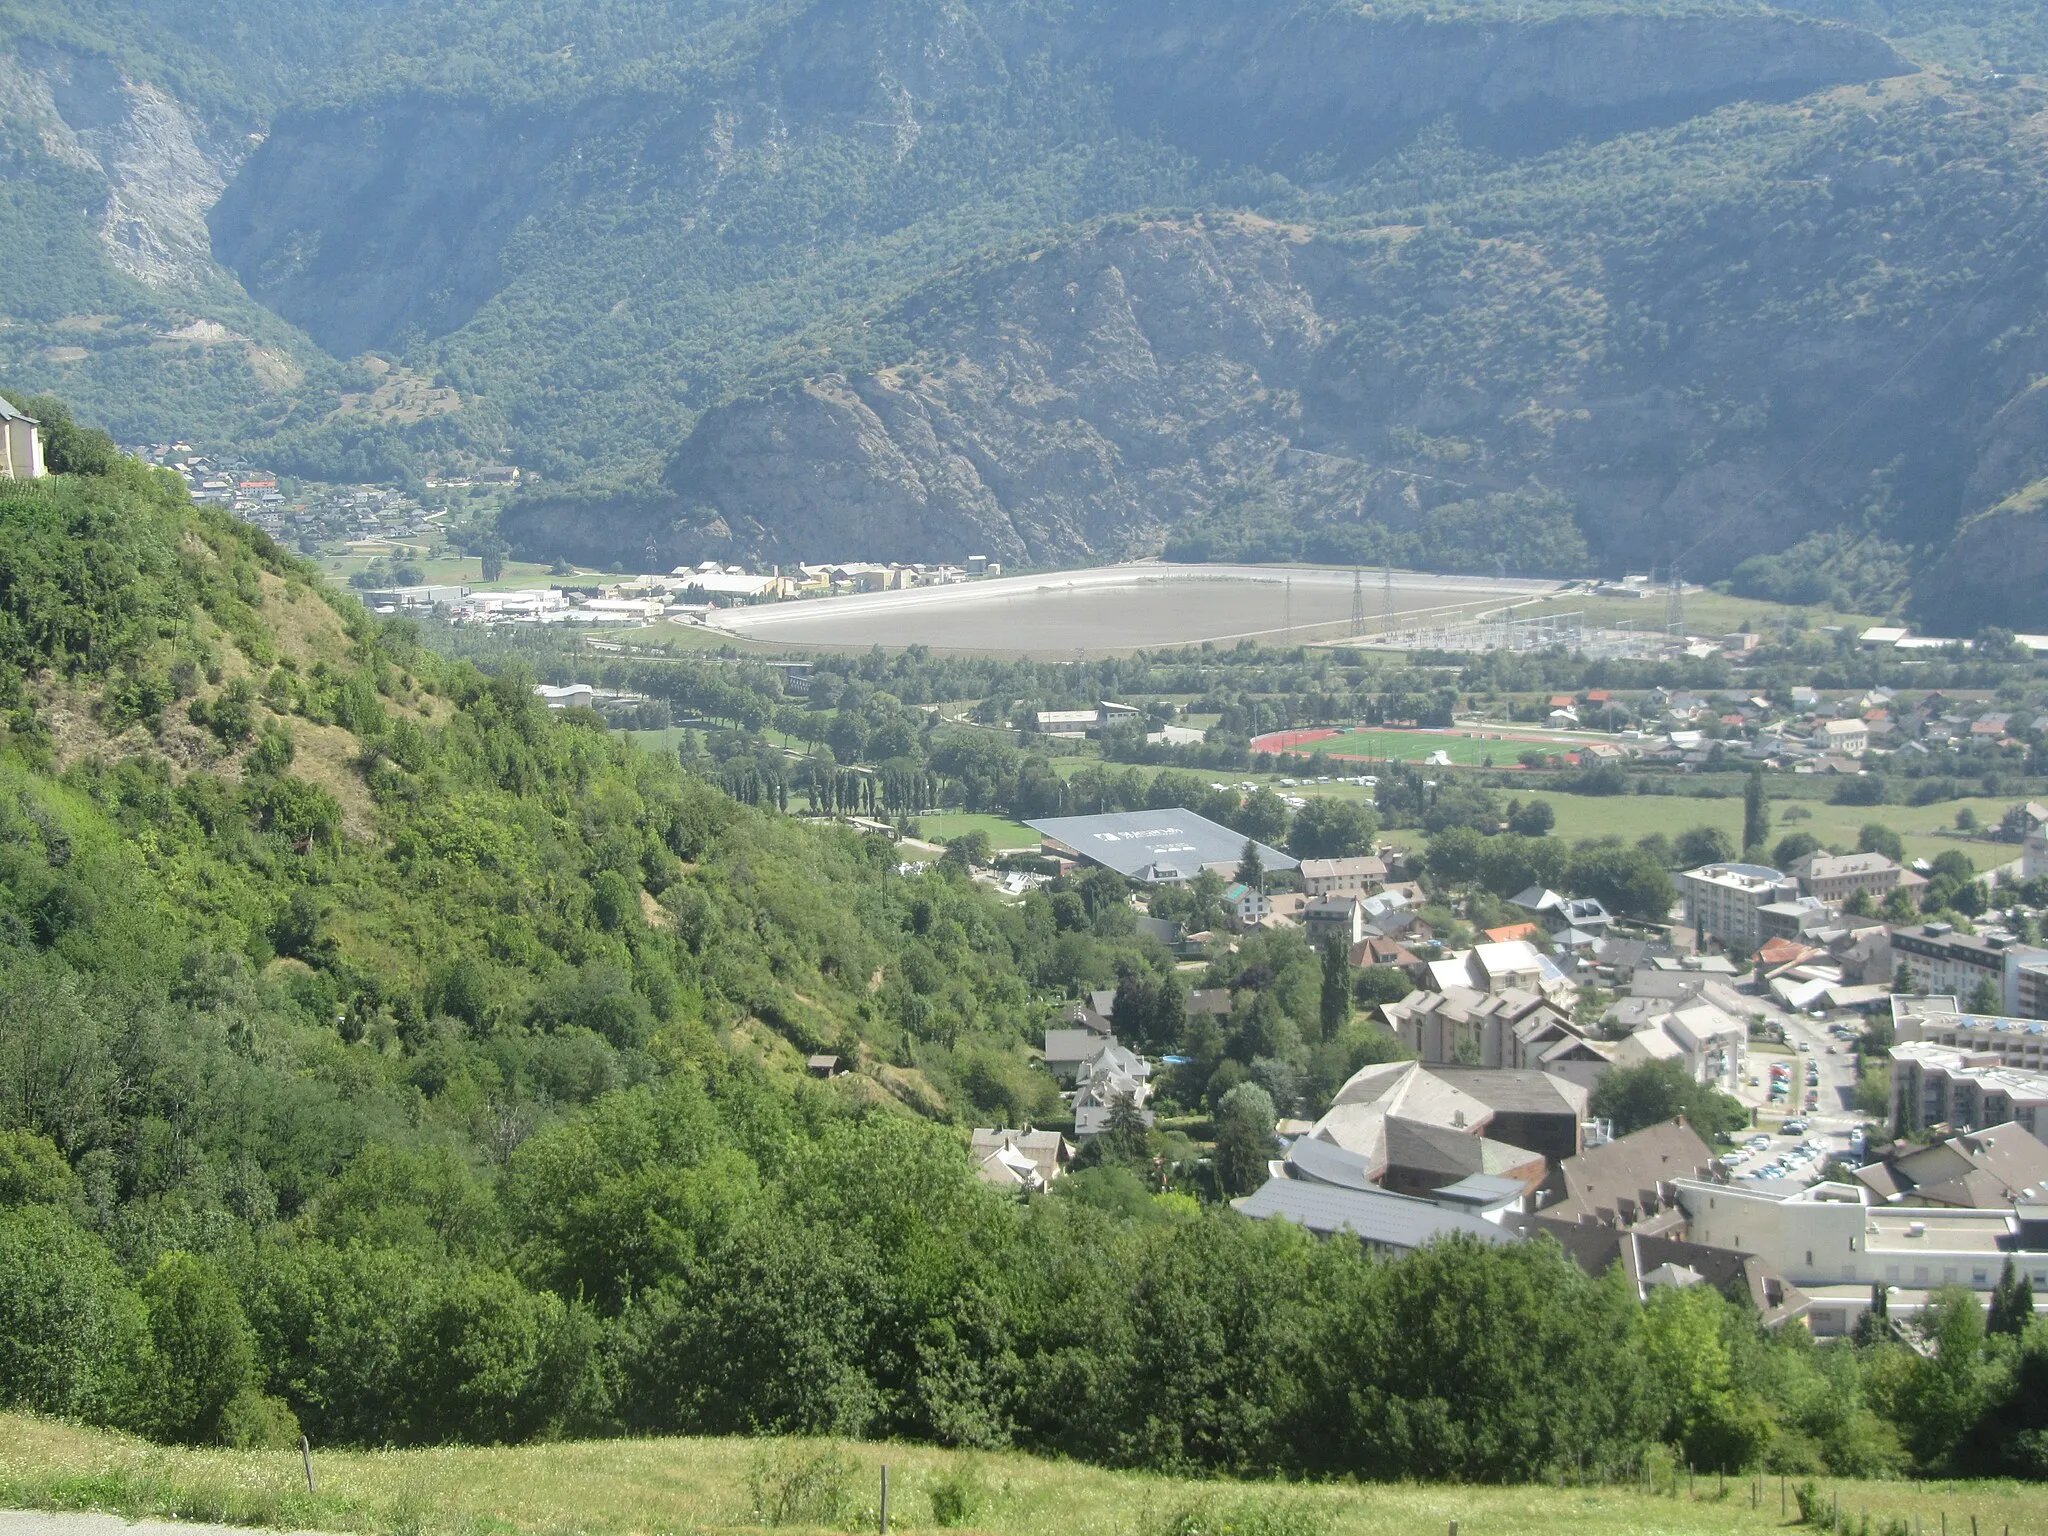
(1674, 607)
(1357, 601)
(1387, 599)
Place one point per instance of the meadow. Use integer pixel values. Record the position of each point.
(630, 1487)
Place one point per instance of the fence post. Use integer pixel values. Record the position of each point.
(1454, 1528)
(306, 1455)
(885, 1499)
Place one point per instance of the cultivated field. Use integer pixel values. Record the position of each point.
(650, 1487)
(1119, 608)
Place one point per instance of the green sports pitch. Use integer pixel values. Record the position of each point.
(1416, 746)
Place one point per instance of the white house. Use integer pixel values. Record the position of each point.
(21, 445)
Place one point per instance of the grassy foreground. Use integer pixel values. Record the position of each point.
(651, 1486)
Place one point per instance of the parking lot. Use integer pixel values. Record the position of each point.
(1804, 1103)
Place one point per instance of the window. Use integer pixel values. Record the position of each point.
(1979, 1277)
(1809, 1258)
(1891, 1273)
(1919, 1274)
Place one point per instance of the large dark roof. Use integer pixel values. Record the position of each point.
(1515, 1092)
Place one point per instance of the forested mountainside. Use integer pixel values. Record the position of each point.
(386, 1058)
(1557, 285)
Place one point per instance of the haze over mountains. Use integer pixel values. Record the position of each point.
(1557, 286)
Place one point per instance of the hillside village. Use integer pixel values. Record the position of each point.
(1518, 1080)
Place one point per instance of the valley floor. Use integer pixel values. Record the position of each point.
(636, 1486)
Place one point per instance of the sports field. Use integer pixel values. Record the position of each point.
(944, 826)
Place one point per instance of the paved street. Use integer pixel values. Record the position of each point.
(39, 1523)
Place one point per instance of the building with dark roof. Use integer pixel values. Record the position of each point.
(1537, 1110)
(1631, 1181)
(1979, 1170)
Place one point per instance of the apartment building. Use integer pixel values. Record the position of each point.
(1947, 1085)
(1722, 902)
(1835, 877)
(1944, 961)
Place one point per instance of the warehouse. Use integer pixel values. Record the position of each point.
(1155, 847)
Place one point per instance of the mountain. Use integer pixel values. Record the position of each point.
(1562, 285)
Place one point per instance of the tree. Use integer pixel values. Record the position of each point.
(1332, 829)
(1262, 817)
(1335, 1010)
(1532, 818)
(1756, 811)
(1875, 1324)
(1792, 847)
(1251, 872)
(1625, 880)
(1876, 837)
(1381, 984)
(1860, 904)
(1633, 1097)
(206, 1354)
(1984, 997)
(1702, 845)
(969, 849)
(2012, 1302)
(1244, 1138)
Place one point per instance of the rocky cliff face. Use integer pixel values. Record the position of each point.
(162, 168)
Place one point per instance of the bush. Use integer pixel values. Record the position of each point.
(74, 1340)
(789, 1487)
(205, 1353)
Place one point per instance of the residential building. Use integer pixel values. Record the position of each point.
(1025, 1160)
(2034, 857)
(1945, 961)
(1978, 1170)
(1517, 964)
(1247, 905)
(1792, 919)
(1112, 1076)
(1517, 1029)
(2016, 1042)
(1366, 873)
(21, 445)
(1631, 1181)
(1068, 1050)
(1339, 916)
(1835, 877)
(1942, 1085)
(1722, 902)
(1848, 738)
(1557, 912)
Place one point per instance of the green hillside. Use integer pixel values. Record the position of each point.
(387, 1058)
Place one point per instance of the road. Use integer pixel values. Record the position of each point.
(39, 1523)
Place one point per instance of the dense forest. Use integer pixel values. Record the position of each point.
(387, 1058)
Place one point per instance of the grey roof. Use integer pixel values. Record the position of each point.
(1517, 1092)
(1073, 1045)
(1138, 843)
(1483, 1189)
(1324, 1162)
(1374, 1216)
(9, 413)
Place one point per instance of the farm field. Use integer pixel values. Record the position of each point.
(617, 1487)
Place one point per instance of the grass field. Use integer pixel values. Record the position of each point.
(1706, 613)
(466, 570)
(943, 826)
(1414, 746)
(643, 1487)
